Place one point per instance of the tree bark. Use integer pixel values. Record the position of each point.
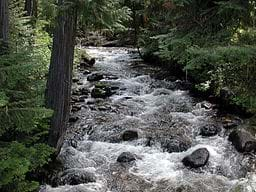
(59, 82)
(31, 8)
(4, 25)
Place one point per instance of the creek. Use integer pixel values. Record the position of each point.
(159, 114)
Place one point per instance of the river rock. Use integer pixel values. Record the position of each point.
(101, 92)
(130, 135)
(75, 80)
(197, 159)
(73, 119)
(76, 177)
(76, 108)
(209, 130)
(176, 145)
(87, 62)
(230, 122)
(243, 141)
(86, 72)
(95, 76)
(79, 98)
(126, 157)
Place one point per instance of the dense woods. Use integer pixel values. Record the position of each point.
(209, 43)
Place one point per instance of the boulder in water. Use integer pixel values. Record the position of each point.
(76, 108)
(130, 135)
(230, 122)
(197, 159)
(75, 80)
(176, 145)
(126, 157)
(209, 130)
(243, 141)
(95, 76)
(76, 177)
(101, 93)
(73, 119)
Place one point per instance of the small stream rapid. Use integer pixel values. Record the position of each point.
(158, 110)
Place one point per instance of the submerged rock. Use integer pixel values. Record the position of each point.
(86, 72)
(101, 93)
(95, 76)
(76, 177)
(210, 130)
(130, 135)
(73, 119)
(176, 145)
(75, 80)
(243, 141)
(126, 157)
(76, 108)
(197, 159)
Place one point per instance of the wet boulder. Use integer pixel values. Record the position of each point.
(86, 72)
(76, 108)
(243, 141)
(206, 105)
(230, 122)
(73, 119)
(197, 159)
(95, 76)
(72, 143)
(101, 92)
(175, 145)
(87, 62)
(209, 130)
(126, 157)
(75, 80)
(130, 135)
(78, 99)
(76, 177)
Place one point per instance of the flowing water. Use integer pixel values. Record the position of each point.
(158, 110)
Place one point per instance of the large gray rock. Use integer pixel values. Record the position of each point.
(210, 130)
(101, 92)
(197, 159)
(96, 76)
(243, 141)
(126, 157)
(76, 177)
(177, 144)
(130, 135)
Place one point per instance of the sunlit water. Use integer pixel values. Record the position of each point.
(156, 109)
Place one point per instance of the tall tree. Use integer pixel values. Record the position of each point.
(58, 90)
(4, 25)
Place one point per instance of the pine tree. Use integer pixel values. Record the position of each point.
(24, 120)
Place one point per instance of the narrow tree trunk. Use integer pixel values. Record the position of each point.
(60, 74)
(4, 25)
(31, 8)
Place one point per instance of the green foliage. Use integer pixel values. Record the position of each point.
(102, 14)
(24, 120)
(213, 41)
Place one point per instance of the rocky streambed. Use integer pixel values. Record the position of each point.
(133, 129)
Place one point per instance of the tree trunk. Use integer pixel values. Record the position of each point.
(31, 8)
(59, 82)
(4, 26)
